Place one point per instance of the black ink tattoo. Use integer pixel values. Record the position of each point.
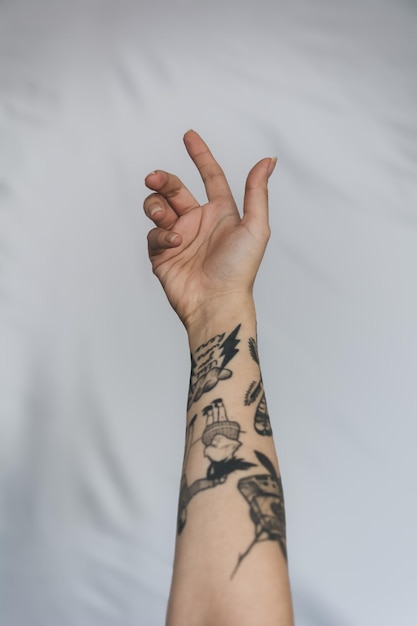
(208, 364)
(262, 422)
(220, 439)
(264, 494)
(253, 392)
(253, 349)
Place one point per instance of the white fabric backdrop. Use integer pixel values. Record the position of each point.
(94, 364)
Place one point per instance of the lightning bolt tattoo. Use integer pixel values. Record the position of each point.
(229, 349)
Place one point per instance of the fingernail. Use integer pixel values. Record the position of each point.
(154, 208)
(272, 165)
(151, 174)
(171, 237)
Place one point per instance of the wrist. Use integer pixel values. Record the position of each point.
(220, 314)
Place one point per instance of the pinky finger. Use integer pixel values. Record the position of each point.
(160, 240)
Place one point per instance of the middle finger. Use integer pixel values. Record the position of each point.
(173, 190)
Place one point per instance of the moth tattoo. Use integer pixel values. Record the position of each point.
(264, 495)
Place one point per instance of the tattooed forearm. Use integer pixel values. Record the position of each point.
(217, 440)
(208, 364)
(262, 422)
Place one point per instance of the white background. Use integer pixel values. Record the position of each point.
(94, 364)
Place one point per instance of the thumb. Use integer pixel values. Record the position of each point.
(255, 204)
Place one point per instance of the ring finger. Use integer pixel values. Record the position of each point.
(159, 211)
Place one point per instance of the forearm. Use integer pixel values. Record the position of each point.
(230, 565)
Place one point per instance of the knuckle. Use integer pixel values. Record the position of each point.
(172, 188)
(209, 171)
(152, 234)
(264, 232)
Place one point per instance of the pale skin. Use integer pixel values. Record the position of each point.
(229, 568)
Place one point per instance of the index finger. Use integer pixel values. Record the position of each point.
(210, 171)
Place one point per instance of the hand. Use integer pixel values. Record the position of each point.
(201, 253)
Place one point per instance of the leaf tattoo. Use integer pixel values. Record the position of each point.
(253, 349)
(253, 392)
(268, 465)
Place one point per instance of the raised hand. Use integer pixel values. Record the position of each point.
(206, 254)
